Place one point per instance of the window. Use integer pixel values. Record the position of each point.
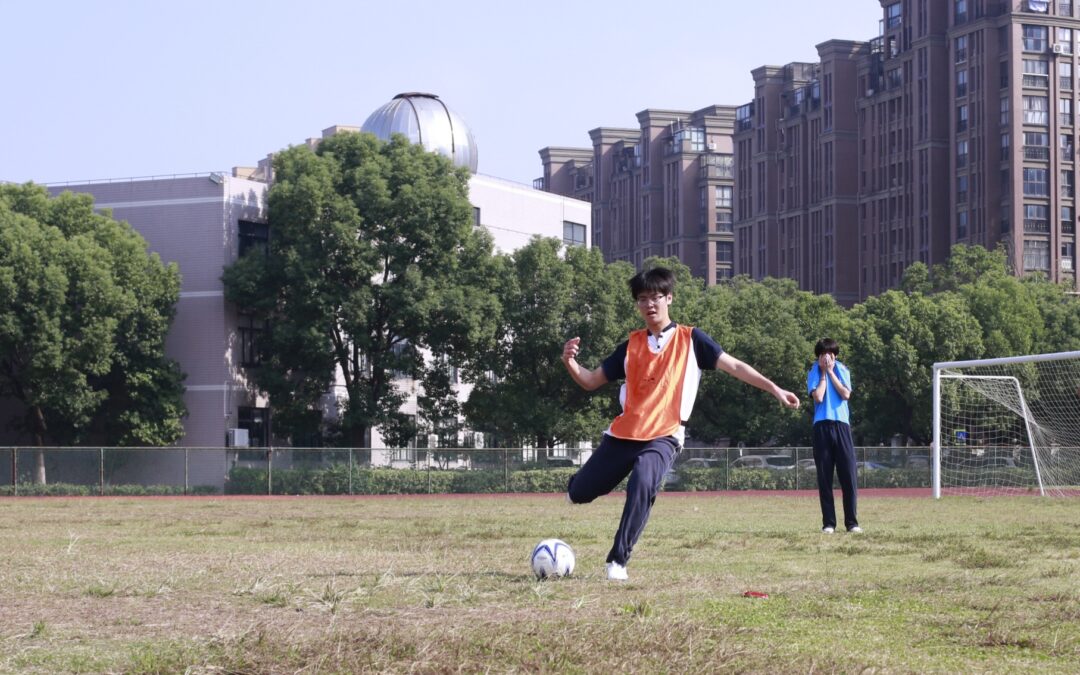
(961, 225)
(1037, 6)
(1036, 145)
(257, 423)
(961, 83)
(1068, 184)
(1036, 255)
(1065, 143)
(1003, 74)
(961, 44)
(723, 196)
(1036, 182)
(1035, 110)
(1067, 217)
(1035, 38)
(961, 118)
(573, 233)
(1065, 112)
(725, 251)
(1068, 254)
(476, 216)
(1036, 73)
(893, 16)
(1065, 70)
(960, 11)
(1004, 112)
(1036, 218)
(1064, 38)
(253, 237)
(248, 338)
(961, 189)
(961, 154)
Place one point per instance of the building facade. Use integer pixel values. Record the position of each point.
(664, 188)
(954, 125)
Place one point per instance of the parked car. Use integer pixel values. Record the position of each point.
(701, 463)
(917, 462)
(764, 462)
(806, 463)
(871, 465)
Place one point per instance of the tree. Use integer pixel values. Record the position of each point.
(772, 326)
(522, 390)
(84, 311)
(1004, 306)
(371, 246)
(896, 338)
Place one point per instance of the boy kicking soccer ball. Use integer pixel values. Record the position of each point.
(661, 366)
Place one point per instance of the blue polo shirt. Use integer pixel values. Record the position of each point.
(832, 407)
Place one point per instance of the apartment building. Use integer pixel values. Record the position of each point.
(954, 125)
(663, 188)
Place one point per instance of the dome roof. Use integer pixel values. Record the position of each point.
(426, 120)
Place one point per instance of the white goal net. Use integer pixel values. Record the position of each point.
(1008, 426)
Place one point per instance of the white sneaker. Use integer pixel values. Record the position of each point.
(856, 530)
(616, 572)
(828, 530)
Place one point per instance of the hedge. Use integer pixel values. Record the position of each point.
(126, 490)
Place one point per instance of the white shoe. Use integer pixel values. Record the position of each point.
(616, 572)
(856, 530)
(828, 530)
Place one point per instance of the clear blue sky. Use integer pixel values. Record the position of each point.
(107, 89)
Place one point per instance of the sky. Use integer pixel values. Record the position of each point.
(99, 89)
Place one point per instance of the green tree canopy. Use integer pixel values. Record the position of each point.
(522, 390)
(84, 310)
(372, 259)
(772, 326)
(896, 338)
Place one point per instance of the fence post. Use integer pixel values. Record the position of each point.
(350, 469)
(15, 471)
(186, 470)
(269, 471)
(101, 472)
(506, 468)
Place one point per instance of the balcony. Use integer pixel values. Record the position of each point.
(1036, 81)
(1038, 225)
(1066, 264)
(1037, 152)
(539, 183)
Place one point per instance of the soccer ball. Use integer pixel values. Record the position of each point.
(552, 558)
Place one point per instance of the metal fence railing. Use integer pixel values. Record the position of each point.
(350, 471)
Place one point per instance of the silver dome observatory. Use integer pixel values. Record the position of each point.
(425, 120)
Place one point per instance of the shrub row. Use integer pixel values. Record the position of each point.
(72, 490)
(701, 479)
(335, 480)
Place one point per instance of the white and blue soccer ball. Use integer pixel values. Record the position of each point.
(552, 558)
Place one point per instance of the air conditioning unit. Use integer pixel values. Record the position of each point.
(1059, 48)
(236, 438)
(712, 147)
(870, 92)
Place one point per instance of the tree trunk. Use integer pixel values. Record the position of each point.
(39, 441)
(39, 467)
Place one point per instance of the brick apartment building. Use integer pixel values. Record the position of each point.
(664, 188)
(956, 124)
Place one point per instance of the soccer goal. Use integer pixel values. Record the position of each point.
(1007, 426)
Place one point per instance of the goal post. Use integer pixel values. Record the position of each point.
(1007, 425)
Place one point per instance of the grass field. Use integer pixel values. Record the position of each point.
(319, 585)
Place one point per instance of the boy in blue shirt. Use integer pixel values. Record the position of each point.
(829, 383)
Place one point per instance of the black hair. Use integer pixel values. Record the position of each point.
(827, 346)
(656, 280)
